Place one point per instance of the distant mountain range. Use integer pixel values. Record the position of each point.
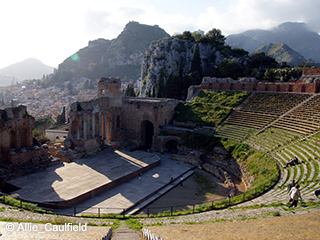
(295, 35)
(282, 53)
(122, 57)
(30, 68)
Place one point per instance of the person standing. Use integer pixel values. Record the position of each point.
(317, 192)
(291, 185)
(294, 195)
(181, 179)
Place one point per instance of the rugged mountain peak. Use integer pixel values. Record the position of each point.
(120, 57)
(290, 26)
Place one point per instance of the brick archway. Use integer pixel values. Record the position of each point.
(172, 146)
(147, 132)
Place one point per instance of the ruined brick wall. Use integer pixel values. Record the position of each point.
(109, 87)
(111, 118)
(311, 71)
(16, 140)
(156, 111)
(288, 87)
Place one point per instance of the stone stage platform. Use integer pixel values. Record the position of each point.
(67, 184)
(134, 194)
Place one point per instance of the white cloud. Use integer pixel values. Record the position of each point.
(242, 15)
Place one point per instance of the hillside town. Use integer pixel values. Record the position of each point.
(41, 102)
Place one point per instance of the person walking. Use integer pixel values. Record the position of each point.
(294, 196)
(291, 185)
(317, 192)
(181, 179)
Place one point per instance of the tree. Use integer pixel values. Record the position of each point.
(196, 60)
(214, 37)
(160, 86)
(262, 61)
(173, 86)
(270, 74)
(153, 91)
(70, 88)
(61, 118)
(230, 68)
(130, 91)
(192, 78)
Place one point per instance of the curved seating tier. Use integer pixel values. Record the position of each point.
(284, 125)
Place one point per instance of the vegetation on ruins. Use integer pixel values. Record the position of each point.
(40, 125)
(130, 91)
(210, 107)
(258, 164)
(261, 166)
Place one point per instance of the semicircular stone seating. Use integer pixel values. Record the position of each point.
(283, 125)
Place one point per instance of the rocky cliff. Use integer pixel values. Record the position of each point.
(166, 54)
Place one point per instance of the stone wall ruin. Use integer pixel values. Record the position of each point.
(116, 120)
(20, 153)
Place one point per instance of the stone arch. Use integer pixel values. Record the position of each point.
(232, 86)
(12, 139)
(267, 87)
(74, 128)
(118, 121)
(172, 146)
(290, 88)
(147, 131)
(210, 86)
(106, 127)
(278, 88)
(96, 130)
(303, 88)
(24, 137)
(204, 158)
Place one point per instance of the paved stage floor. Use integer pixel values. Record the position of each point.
(69, 180)
(131, 192)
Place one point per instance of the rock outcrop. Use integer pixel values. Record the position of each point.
(166, 54)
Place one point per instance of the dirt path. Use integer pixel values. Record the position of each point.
(297, 226)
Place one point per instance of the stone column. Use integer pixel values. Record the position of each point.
(78, 127)
(99, 127)
(104, 125)
(18, 143)
(0, 137)
(93, 124)
(84, 126)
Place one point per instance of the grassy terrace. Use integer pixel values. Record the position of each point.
(209, 108)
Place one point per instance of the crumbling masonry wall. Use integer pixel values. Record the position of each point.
(116, 120)
(16, 140)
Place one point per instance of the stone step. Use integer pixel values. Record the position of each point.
(124, 233)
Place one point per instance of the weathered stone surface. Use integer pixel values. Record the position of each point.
(70, 154)
(214, 170)
(79, 149)
(67, 143)
(192, 158)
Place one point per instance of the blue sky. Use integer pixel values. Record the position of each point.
(53, 30)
